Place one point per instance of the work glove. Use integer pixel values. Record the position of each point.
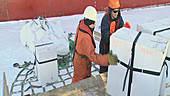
(112, 27)
(112, 58)
(127, 25)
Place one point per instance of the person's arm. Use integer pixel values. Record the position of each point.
(105, 29)
(89, 51)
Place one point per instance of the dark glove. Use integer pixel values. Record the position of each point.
(112, 58)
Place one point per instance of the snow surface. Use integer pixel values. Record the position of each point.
(12, 51)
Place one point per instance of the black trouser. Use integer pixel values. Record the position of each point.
(103, 69)
(104, 49)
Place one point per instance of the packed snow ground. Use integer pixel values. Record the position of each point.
(12, 51)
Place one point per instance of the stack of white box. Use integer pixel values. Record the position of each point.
(46, 61)
(160, 27)
(148, 64)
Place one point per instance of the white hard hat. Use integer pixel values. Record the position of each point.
(90, 13)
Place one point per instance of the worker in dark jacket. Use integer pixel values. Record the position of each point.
(85, 45)
(111, 21)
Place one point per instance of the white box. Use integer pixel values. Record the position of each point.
(150, 51)
(46, 62)
(142, 84)
(167, 81)
(159, 27)
(149, 55)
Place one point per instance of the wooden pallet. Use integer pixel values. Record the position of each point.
(5, 86)
(97, 36)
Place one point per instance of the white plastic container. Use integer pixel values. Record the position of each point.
(149, 55)
(46, 62)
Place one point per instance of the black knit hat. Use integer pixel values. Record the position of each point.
(88, 21)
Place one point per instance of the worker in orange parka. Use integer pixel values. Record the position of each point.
(111, 21)
(85, 46)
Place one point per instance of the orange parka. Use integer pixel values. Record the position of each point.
(85, 53)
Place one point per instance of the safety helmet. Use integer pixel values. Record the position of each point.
(90, 13)
(114, 4)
